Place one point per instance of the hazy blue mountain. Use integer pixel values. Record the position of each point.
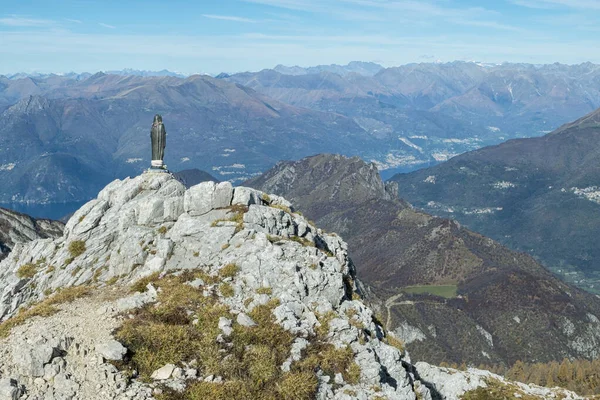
(65, 145)
(353, 67)
(87, 130)
(431, 112)
(137, 72)
(192, 177)
(540, 195)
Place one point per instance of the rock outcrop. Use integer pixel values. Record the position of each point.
(20, 228)
(243, 250)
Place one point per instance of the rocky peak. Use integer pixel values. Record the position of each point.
(20, 228)
(339, 179)
(235, 251)
(29, 105)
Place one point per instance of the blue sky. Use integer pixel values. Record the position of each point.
(240, 35)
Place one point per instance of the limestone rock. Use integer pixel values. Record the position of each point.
(111, 350)
(9, 389)
(163, 372)
(244, 320)
(149, 226)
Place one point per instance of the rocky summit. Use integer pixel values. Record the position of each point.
(20, 228)
(211, 292)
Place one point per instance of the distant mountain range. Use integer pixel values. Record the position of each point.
(539, 195)
(480, 301)
(62, 142)
(431, 112)
(63, 137)
(85, 75)
(354, 67)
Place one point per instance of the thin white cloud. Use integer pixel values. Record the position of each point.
(229, 18)
(102, 24)
(17, 21)
(298, 5)
(404, 11)
(92, 52)
(75, 21)
(550, 4)
(489, 24)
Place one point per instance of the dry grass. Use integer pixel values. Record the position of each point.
(394, 342)
(324, 320)
(27, 271)
(226, 289)
(44, 308)
(229, 271)
(497, 390)
(140, 285)
(235, 214)
(303, 241)
(183, 326)
(76, 248)
(264, 290)
(249, 363)
(282, 207)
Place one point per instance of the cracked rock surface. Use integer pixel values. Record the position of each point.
(152, 224)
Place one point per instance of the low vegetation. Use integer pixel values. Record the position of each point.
(76, 248)
(282, 208)
(579, 376)
(446, 291)
(235, 214)
(183, 326)
(44, 308)
(229, 271)
(27, 271)
(395, 342)
(497, 390)
(264, 290)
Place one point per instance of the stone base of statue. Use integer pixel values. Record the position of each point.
(158, 166)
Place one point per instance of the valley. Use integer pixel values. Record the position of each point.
(91, 128)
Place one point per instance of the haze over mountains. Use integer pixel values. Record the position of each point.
(507, 306)
(540, 195)
(82, 131)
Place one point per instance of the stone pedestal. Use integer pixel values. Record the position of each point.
(157, 163)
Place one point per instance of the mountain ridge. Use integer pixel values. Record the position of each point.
(537, 195)
(506, 306)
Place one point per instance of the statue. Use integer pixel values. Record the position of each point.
(158, 135)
